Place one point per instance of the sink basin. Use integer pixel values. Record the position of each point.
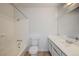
(70, 42)
(76, 42)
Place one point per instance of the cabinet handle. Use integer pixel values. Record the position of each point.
(56, 51)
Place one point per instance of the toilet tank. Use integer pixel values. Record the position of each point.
(34, 42)
(34, 39)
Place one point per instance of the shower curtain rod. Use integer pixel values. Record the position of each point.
(19, 10)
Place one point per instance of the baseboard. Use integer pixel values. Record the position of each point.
(23, 52)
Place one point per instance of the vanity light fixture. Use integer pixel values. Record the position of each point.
(68, 4)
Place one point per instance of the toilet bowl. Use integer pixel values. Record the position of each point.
(34, 45)
(33, 50)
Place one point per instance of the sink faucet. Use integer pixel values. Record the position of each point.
(77, 38)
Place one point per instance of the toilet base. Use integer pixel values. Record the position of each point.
(33, 50)
(33, 54)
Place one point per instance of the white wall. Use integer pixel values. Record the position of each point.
(42, 23)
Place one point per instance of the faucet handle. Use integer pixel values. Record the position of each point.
(19, 43)
(19, 40)
(77, 38)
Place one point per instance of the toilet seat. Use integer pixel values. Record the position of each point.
(33, 50)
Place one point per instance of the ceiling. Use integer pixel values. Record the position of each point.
(37, 4)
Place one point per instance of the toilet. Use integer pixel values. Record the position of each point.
(33, 50)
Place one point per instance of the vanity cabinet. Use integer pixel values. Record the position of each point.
(54, 49)
(50, 46)
(54, 52)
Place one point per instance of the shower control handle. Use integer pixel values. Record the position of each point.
(19, 43)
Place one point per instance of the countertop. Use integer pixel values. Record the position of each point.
(68, 49)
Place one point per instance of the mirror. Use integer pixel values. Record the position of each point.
(68, 22)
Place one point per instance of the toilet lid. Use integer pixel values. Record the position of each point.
(33, 49)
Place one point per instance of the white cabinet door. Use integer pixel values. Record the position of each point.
(58, 51)
(50, 47)
(62, 54)
(54, 52)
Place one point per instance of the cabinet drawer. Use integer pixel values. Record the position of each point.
(50, 47)
(54, 52)
(56, 49)
(49, 41)
(62, 54)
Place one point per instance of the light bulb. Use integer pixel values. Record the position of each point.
(69, 4)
